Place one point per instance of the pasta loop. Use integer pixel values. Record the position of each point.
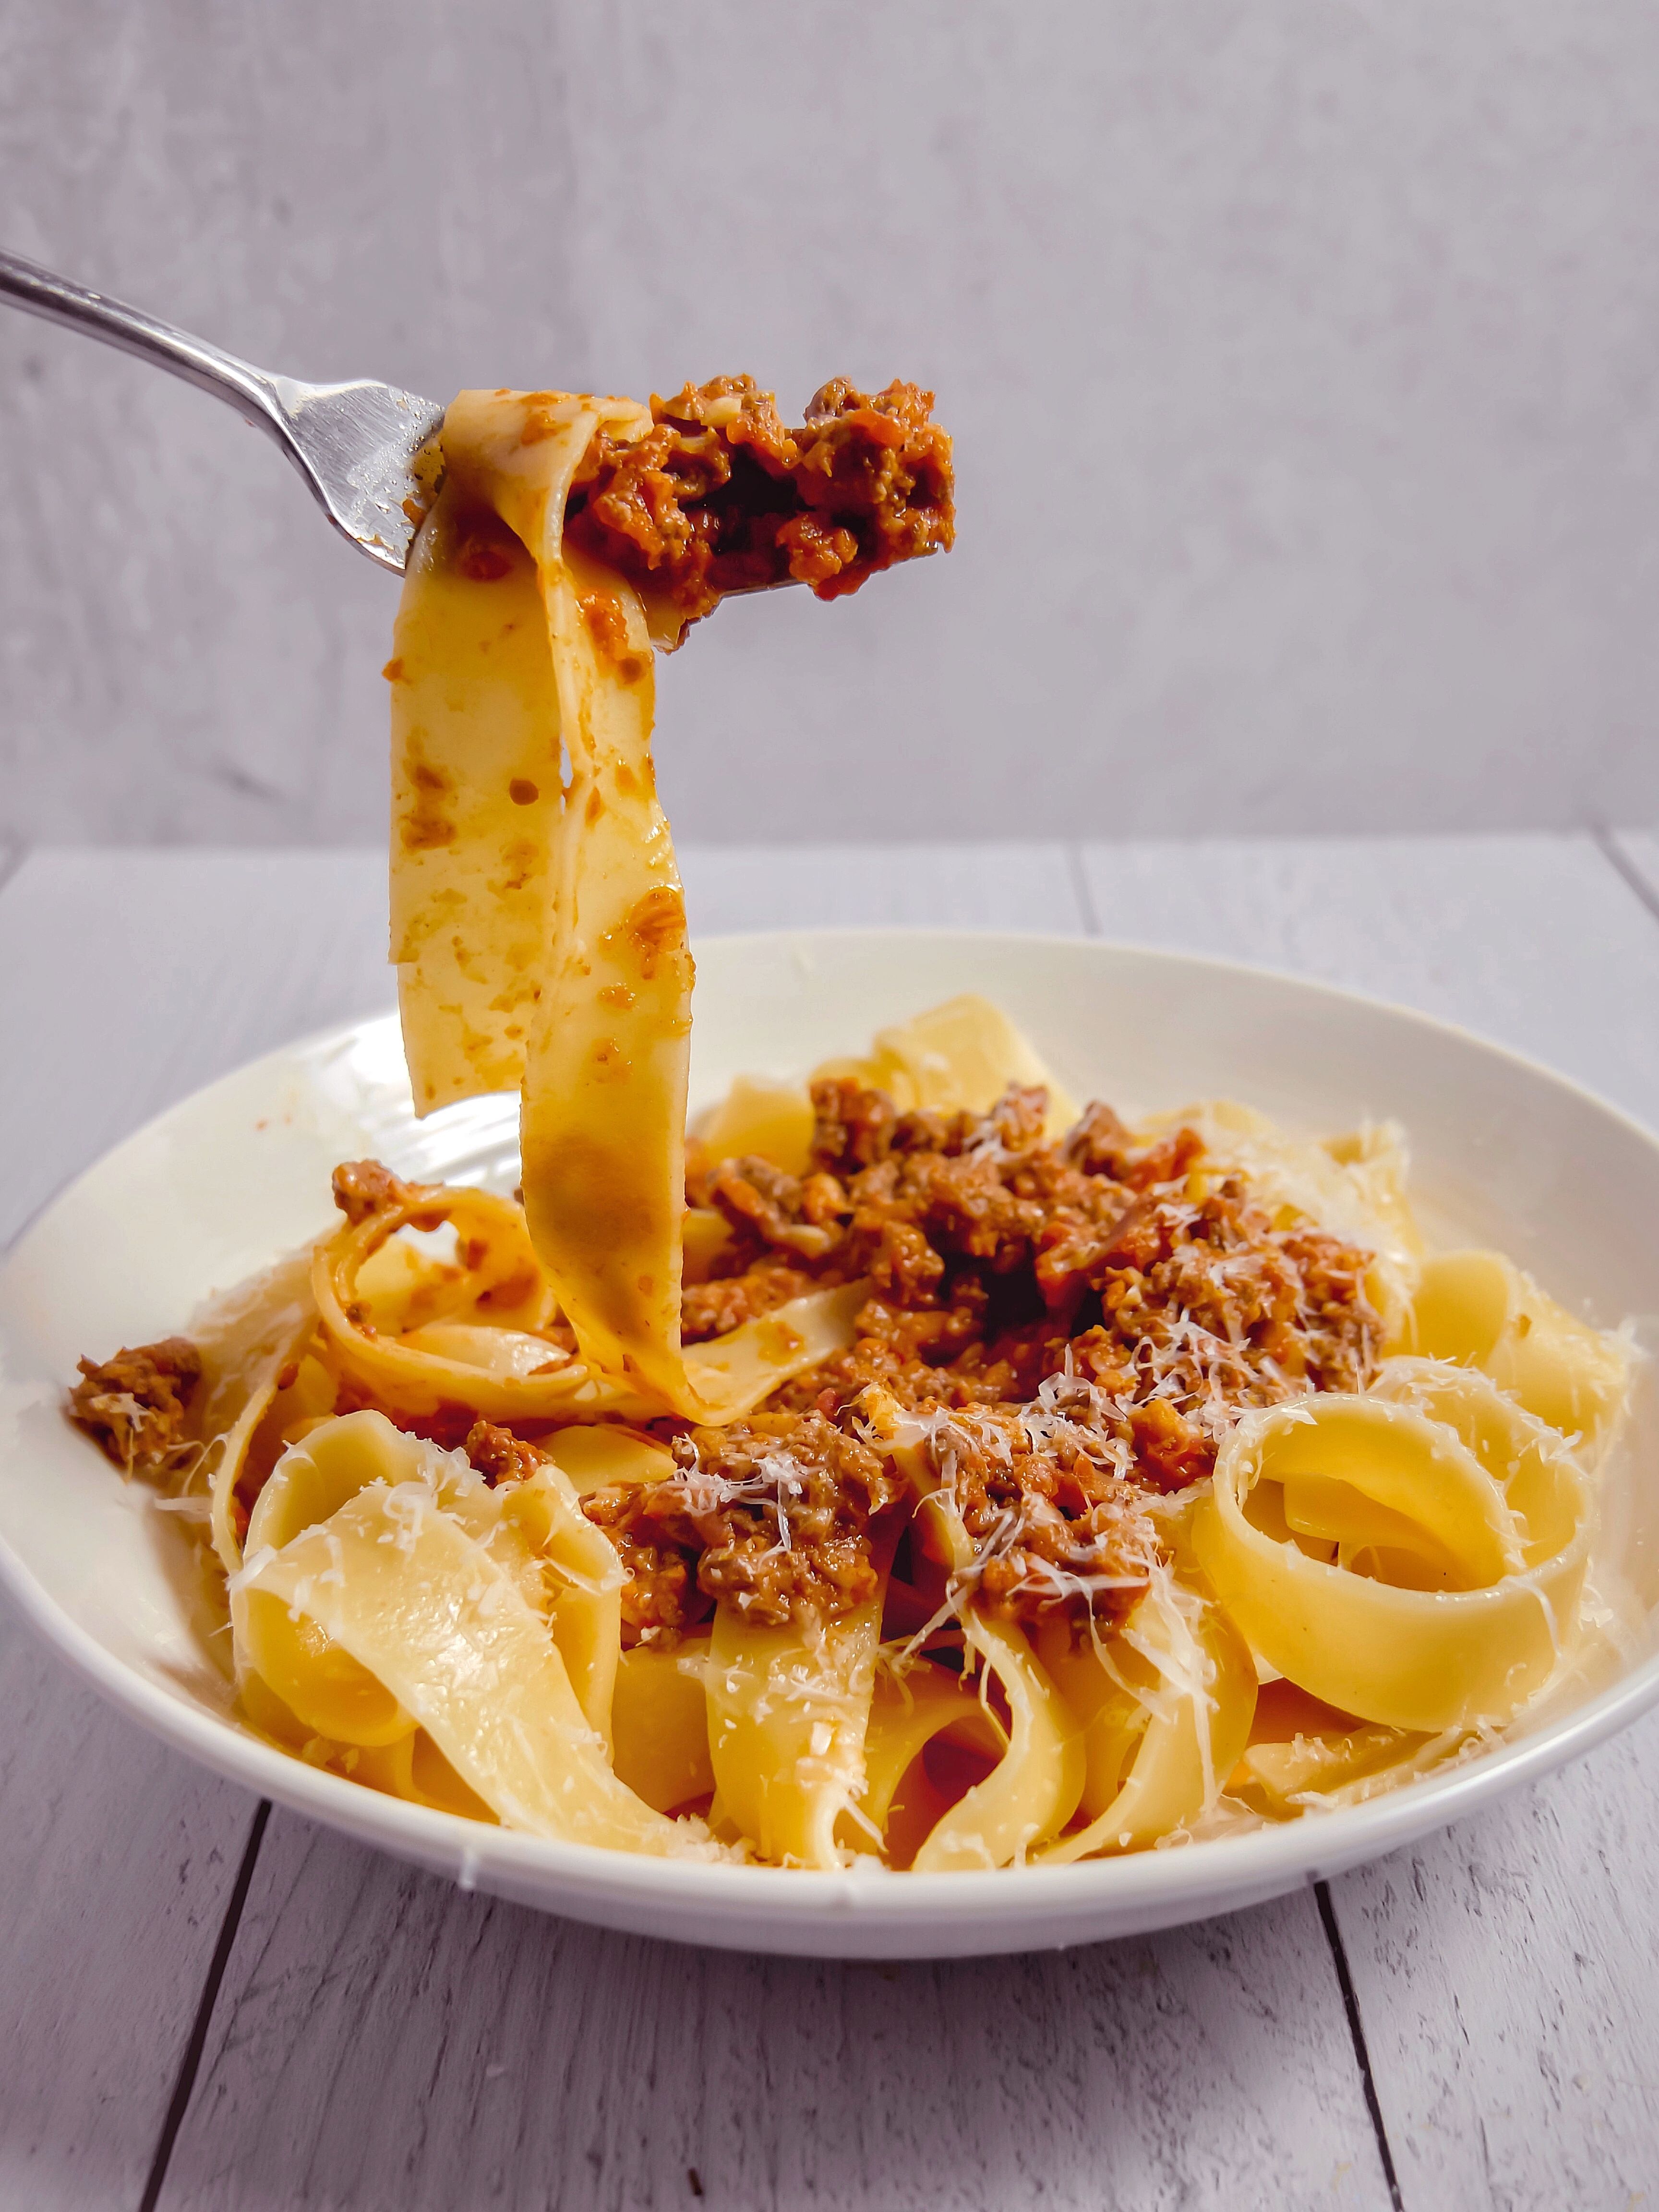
(1479, 1310)
(1035, 1787)
(1412, 1556)
(910, 1710)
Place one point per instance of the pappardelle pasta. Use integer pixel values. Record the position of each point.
(905, 1466)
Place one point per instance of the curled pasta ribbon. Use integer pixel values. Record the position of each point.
(1035, 1787)
(1479, 1310)
(454, 1354)
(1331, 1767)
(466, 1349)
(1165, 1705)
(909, 1712)
(1412, 1556)
(412, 1767)
(386, 1589)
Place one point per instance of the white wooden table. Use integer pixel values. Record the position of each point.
(207, 2004)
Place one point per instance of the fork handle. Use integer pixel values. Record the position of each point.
(247, 388)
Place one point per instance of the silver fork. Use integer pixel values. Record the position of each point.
(353, 443)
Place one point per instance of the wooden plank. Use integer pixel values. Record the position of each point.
(125, 980)
(1504, 1970)
(116, 1858)
(1635, 853)
(387, 2042)
(1505, 1974)
(734, 887)
(136, 977)
(382, 2040)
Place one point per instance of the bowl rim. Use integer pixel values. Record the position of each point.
(750, 1904)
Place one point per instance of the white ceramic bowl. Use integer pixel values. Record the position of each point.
(1505, 1153)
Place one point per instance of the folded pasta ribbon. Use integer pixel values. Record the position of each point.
(1166, 1703)
(537, 919)
(246, 1345)
(538, 925)
(1413, 1556)
(914, 1707)
(387, 1589)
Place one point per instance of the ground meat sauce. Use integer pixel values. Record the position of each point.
(773, 1514)
(134, 1404)
(499, 1455)
(721, 497)
(1067, 1329)
(1075, 1326)
(363, 1187)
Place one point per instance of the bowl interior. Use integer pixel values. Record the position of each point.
(1503, 1153)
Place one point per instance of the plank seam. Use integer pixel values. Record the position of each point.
(1080, 891)
(1357, 2031)
(1611, 850)
(190, 2065)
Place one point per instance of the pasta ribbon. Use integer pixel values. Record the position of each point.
(1412, 1556)
(602, 1046)
(466, 1349)
(538, 921)
(909, 1710)
(1166, 1704)
(660, 1720)
(246, 1342)
(1034, 1789)
(412, 1767)
(595, 1459)
(787, 1711)
(1481, 1311)
(387, 1588)
(957, 1057)
(586, 1578)
(1283, 1777)
(475, 794)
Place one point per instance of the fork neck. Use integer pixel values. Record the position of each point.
(248, 390)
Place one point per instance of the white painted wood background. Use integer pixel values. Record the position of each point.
(204, 2008)
(1337, 315)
